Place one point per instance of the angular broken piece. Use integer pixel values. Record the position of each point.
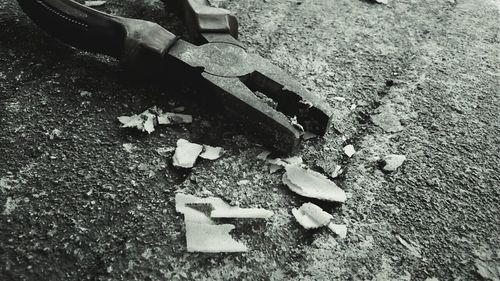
(144, 121)
(311, 216)
(219, 208)
(211, 153)
(209, 238)
(186, 153)
(312, 184)
(202, 233)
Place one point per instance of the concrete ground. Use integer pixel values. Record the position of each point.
(419, 78)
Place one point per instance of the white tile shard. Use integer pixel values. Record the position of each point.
(219, 208)
(349, 150)
(393, 161)
(202, 233)
(312, 184)
(211, 153)
(311, 216)
(186, 154)
(149, 119)
(208, 238)
(339, 229)
(94, 3)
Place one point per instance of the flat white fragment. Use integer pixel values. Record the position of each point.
(339, 229)
(186, 153)
(219, 208)
(392, 162)
(174, 118)
(94, 3)
(279, 163)
(349, 150)
(208, 238)
(312, 184)
(382, 1)
(144, 121)
(311, 216)
(202, 234)
(411, 246)
(211, 153)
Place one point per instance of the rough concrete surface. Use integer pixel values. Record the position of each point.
(76, 205)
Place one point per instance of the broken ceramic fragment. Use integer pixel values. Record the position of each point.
(339, 229)
(211, 153)
(186, 153)
(392, 162)
(202, 234)
(144, 122)
(311, 216)
(209, 238)
(349, 150)
(219, 208)
(312, 184)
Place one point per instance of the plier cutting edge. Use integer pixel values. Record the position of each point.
(218, 58)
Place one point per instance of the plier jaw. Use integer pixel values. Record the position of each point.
(239, 79)
(235, 76)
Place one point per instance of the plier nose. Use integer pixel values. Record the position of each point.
(243, 82)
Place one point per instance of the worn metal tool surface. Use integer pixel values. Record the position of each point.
(237, 78)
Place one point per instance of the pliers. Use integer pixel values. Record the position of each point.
(237, 78)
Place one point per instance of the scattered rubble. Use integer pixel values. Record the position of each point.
(392, 162)
(202, 234)
(349, 150)
(312, 184)
(311, 216)
(186, 153)
(339, 229)
(147, 120)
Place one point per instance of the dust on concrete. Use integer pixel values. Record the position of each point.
(84, 210)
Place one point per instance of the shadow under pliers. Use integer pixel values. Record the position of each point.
(219, 59)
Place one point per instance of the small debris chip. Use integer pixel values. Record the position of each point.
(311, 216)
(279, 163)
(94, 3)
(312, 184)
(56, 133)
(211, 153)
(411, 246)
(382, 1)
(186, 154)
(349, 150)
(339, 229)
(392, 162)
(337, 171)
(85, 94)
(128, 147)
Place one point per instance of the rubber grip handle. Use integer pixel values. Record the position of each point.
(82, 27)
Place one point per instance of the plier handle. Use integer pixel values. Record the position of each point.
(221, 61)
